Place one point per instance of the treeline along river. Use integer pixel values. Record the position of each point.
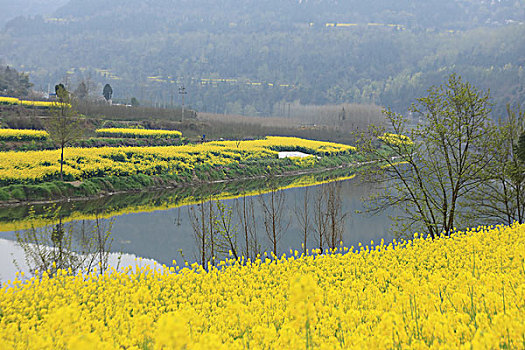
(164, 226)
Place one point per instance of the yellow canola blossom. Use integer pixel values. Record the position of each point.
(462, 292)
(83, 163)
(16, 101)
(22, 135)
(395, 139)
(9, 100)
(138, 133)
(279, 143)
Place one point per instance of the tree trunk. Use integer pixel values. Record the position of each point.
(245, 223)
(203, 238)
(518, 203)
(274, 228)
(61, 162)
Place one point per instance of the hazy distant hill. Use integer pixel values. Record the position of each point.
(10, 9)
(449, 14)
(255, 56)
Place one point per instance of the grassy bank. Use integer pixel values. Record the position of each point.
(465, 291)
(57, 190)
(19, 217)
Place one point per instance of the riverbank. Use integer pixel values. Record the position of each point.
(40, 213)
(33, 176)
(99, 187)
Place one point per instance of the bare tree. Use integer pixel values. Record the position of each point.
(243, 215)
(335, 216)
(214, 229)
(226, 229)
(67, 246)
(199, 221)
(273, 211)
(320, 218)
(100, 235)
(303, 217)
(246, 213)
(212, 241)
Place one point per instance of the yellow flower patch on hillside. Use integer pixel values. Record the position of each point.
(395, 139)
(138, 133)
(22, 135)
(27, 103)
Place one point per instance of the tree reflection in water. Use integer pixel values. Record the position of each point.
(73, 246)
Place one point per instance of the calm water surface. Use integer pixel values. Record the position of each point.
(162, 235)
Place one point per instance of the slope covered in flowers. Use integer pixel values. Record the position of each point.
(22, 135)
(465, 291)
(83, 163)
(27, 103)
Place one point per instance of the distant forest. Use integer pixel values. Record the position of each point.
(12, 8)
(258, 57)
(13, 83)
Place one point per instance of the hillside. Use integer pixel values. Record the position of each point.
(255, 58)
(12, 9)
(450, 14)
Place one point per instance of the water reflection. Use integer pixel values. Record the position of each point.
(25, 216)
(13, 261)
(75, 246)
(320, 217)
(161, 225)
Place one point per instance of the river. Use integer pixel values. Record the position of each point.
(157, 226)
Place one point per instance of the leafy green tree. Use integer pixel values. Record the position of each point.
(521, 147)
(107, 92)
(502, 198)
(430, 174)
(59, 88)
(63, 125)
(135, 102)
(14, 83)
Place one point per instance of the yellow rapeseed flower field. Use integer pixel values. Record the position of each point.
(466, 291)
(22, 135)
(395, 139)
(9, 100)
(16, 101)
(83, 163)
(138, 133)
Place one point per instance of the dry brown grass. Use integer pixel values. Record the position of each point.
(315, 122)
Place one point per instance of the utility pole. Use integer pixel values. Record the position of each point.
(182, 92)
